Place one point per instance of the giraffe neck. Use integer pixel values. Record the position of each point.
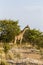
(24, 31)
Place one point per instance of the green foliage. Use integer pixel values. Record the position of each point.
(34, 36)
(8, 30)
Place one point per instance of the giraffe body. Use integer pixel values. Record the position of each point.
(20, 36)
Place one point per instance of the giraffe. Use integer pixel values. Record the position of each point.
(20, 36)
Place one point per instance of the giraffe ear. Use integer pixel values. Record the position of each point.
(27, 25)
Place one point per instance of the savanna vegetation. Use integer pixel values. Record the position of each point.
(9, 29)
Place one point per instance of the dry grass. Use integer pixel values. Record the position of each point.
(19, 52)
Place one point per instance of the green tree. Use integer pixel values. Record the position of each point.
(35, 37)
(9, 28)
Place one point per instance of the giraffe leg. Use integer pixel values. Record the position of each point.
(20, 41)
(15, 40)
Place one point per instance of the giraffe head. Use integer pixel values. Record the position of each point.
(27, 27)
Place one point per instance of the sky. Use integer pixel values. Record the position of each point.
(27, 12)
